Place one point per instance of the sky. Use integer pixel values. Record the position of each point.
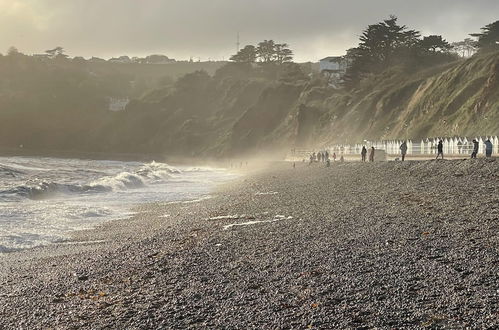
(207, 29)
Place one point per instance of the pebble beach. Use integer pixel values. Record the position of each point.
(352, 246)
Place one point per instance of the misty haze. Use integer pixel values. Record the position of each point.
(170, 164)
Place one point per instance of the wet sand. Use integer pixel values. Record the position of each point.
(389, 245)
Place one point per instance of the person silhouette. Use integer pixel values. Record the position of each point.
(440, 149)
(371, 155)
(476, 145)
(488, 148)
(403, 150)
(363, 153)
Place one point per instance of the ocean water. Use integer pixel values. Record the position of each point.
(43, 199)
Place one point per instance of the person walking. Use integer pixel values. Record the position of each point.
(488, 148)
(403, 150)
(371, 155)
(363, 153)
(440, 149)
(476, 145)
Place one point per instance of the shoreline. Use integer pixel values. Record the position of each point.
(94, 155)
(122, 211)
(347, 246)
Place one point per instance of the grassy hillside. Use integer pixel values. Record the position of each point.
(459, 98)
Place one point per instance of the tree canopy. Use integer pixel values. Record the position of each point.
(381, 43)
(434, 44)
(283, 54)
(13, 51)
(246, 55)
(388, 43)
(56, 52)
(488, 39)
(266, 52)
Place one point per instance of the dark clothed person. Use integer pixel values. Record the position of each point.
(371, 155)
(363, 153)
(440, 149)
(403, 150)
(476, 145)
(488, 149)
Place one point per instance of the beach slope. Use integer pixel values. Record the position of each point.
(389, 245)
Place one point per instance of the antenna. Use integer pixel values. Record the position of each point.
(238, 43)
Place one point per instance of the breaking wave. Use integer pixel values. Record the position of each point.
(7, 171)
(152, 173)
(43, 199)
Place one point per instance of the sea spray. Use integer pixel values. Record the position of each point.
(44, 199)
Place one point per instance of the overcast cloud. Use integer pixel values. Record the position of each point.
(208, 28)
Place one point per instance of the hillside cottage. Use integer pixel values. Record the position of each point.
(334, 67)
(334, 64)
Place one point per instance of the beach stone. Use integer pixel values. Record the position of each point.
(82, 277)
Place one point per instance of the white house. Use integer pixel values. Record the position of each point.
(334, 67)
(334, 64)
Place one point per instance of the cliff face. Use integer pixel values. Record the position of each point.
(238, 116)
(460, 98)
(228, 115)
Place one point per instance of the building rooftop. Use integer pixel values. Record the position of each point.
(332, 58)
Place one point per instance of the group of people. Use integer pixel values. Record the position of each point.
(474, 153)
(321, 156)
(324, 157)
(363, 154)
(488, 148)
